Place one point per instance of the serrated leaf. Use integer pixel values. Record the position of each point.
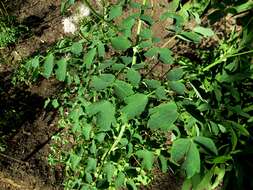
(104, 111)
(135, 105)
(175, 74)
(86, 130)
(185, 150)
(48, 65)
(147, 158)
(133, 77)
(165, 56)
(61, 70)
(177, 87)
(89, 57)
(91, 165)
(76, 48)
(160, 93)
(74, 160)
(163, 116)
(206, 143)
(207, 32)
(109, 169)
(192, 162)
(120, 43)
(120, 180)
(123, 89)
(152, 84)
(115, 11)
(103, 81)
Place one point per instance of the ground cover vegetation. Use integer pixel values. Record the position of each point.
(118, 122)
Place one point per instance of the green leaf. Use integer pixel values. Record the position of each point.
(74, 160)
(91, 165)
(192, 162)
(120, 43)
(147, 158)
(175, 74)
(165, 56)
(135, 105)
(104, 111)
(206, 143)
(190, 36)
(152, 52)
(109, 169)
(163, 116)
(86, 130)
(133, 77)
(76, 48)
(152, 84)
(89, 57)
(186, 151)
(102, 82)
(61, 70)
(164, 163)
(120, 180)
(122, 89)
(115, 11)
(48, 65)
(177, 87)
(207, 32)
(148, 19)
(160, 93)
(101, 49)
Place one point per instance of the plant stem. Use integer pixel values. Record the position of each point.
(135, 48)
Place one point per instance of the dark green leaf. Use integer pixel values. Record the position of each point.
(61, 70)
(104, 112)
(177, 87)
(123, 89)
(133, 77)
(48, 65)
(135, 105)
(165, 56)
(89, 57)
(175, 74)
(206, 143)
(147, 158)
(101, 82)
(163, 116)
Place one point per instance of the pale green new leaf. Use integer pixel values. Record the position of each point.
(109, 169)
(104, 111)
(120, 180)
(48, 65)
(61, 70)
(91, 165)
(135, 105)
(163, 116)
(147, 158)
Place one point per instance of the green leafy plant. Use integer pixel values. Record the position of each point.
(116, 119)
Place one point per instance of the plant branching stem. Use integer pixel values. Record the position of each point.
(135, 48)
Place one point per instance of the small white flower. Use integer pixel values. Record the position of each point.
(84, 11)
(69, 26)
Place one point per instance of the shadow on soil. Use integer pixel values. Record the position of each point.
(26, 130)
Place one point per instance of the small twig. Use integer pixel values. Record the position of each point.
(13, 159)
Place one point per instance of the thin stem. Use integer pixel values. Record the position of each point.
(135, 48)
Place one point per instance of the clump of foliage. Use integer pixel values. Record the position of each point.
(117, 120)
